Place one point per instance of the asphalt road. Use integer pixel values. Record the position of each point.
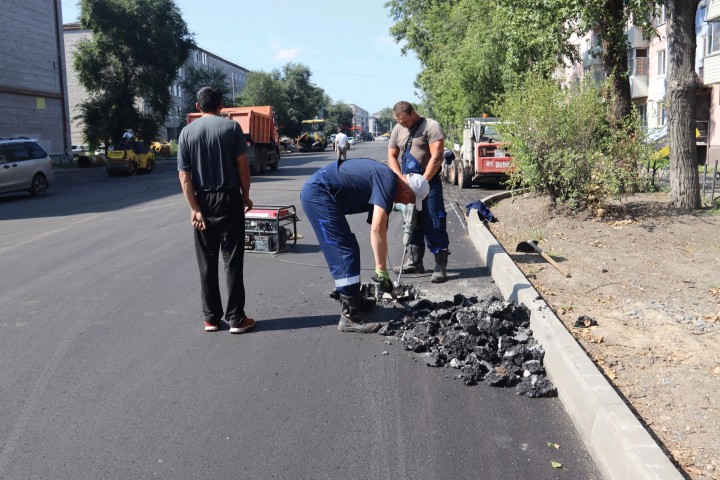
(106, 373)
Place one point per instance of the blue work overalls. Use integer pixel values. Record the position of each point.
(338, 189)
(431, 221)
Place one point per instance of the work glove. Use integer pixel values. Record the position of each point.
(382, 277)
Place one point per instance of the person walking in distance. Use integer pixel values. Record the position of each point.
(345, 187)
(215, 179)
(341, 145)
(416, 145)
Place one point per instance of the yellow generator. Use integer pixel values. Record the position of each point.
(129, 158)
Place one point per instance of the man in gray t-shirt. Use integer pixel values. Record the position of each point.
(215, 179)
(416, 145)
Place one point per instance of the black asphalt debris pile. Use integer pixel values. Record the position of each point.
(489, 341)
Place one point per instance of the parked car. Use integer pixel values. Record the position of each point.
(331, 140)
(24, 165)
(78, 151)
(351, 140)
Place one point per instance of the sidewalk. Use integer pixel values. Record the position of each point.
(618, 443)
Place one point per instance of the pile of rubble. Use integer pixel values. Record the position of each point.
(489, 341)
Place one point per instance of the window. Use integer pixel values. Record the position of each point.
(662, 118)
(713, 37)
(642, 113)
(35, 150)
(661, 62)
(637, 61)
(662, 15)
(16, 151)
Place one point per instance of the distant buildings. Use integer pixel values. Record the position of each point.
(648, 66)
(33, 95)
(236, 78)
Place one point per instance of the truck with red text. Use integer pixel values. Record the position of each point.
(483, 157)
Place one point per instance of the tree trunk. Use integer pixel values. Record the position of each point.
(682, 83)
(613, 23)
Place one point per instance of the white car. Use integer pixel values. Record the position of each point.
(351, 140)
(78, 151)
(24, 165)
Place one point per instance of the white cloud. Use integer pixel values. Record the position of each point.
(287, 54)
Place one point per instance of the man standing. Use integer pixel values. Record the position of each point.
(358, 185)
(215, 180)
(341, 145)
(416, 145)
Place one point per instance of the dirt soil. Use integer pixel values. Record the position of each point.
(649, 275)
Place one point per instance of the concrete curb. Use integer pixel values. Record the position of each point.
(618, 443)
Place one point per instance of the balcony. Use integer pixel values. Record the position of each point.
(592, 56)
(635, 38)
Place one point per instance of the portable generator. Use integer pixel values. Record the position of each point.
(270, 228)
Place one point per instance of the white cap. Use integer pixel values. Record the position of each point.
(420, 188)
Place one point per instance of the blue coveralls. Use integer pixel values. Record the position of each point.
(431, 220)
(343, 188)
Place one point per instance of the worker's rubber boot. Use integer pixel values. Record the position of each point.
(439, 275)
(367, 303)
(351, 319)
(414, 260)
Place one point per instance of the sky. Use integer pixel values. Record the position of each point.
(345, 43)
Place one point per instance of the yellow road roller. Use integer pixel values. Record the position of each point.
(129, 158)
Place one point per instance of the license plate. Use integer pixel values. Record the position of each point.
(499, 152)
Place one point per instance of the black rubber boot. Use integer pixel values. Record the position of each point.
(351, 319)
(414, 260)
(439, 275)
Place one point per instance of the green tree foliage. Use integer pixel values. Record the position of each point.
(128, 65)
(386, 120)
(204, 76)
(564, 145)
(294, 97)
(338, 115)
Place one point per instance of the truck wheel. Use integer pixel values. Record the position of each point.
(463, 178)
(254, 169)
(276, 161)
(149, 165)
(452, 173)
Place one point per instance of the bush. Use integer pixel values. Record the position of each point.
(566, 144)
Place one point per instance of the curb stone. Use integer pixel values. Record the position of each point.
(616, 440)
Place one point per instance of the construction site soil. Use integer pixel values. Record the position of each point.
(643, 300)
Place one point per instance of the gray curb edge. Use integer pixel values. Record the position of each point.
(618, 443)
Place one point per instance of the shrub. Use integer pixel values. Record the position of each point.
(565, 142)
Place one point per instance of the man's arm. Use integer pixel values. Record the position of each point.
(393, 161)
(244, 173)
(196, 216)
(378, 236)
(436, 159)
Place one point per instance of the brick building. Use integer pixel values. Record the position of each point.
(33, 95)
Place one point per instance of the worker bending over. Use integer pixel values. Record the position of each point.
(358, 185)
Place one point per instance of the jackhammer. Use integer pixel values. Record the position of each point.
(409, 215)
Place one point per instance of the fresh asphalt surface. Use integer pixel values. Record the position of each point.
(106, 373)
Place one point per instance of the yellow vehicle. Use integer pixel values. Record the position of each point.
(130, 157)
(312, 136)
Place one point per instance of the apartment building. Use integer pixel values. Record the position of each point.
(236, 78)
(648, 65)
(360, 119)
(32, 78)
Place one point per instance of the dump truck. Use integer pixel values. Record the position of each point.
(129, 157)
(258, 125)
(312, 137)
(483, 157)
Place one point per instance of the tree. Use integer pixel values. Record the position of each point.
(682, 82)
(386, 120)
(203, 76)
(128, 65)
(338, 115)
